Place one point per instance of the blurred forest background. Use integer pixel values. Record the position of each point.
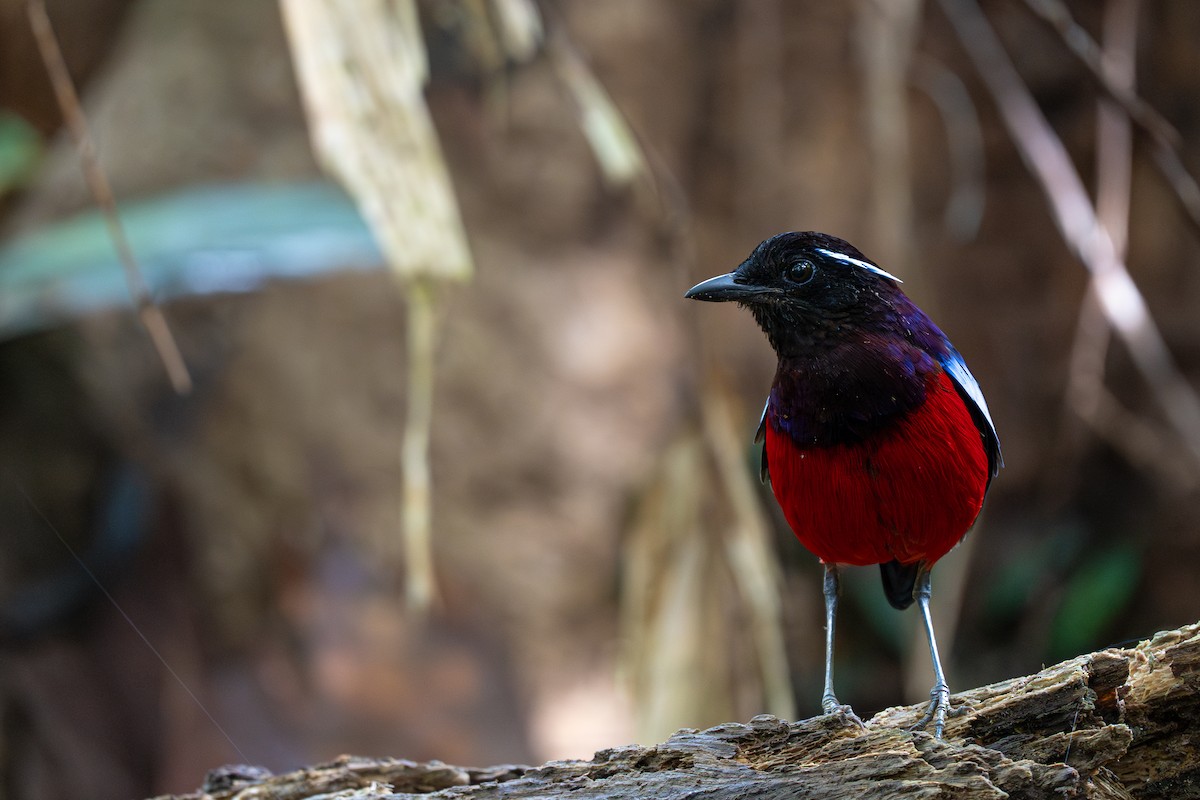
(607, 567)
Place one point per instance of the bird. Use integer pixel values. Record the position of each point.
(877, 441)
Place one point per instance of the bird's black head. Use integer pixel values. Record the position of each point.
(805, 288)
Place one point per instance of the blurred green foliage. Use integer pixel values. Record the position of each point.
(20, 151)
(1014, 582)
(1086, 584)
(888, 625)
(1096, 591)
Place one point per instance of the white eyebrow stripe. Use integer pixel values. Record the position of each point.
(858, 262)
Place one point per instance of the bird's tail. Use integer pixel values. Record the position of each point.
(899, 580)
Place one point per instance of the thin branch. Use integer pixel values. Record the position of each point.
(1114, 134)
(1141, 442)
(1047, 158)
(1163, 137)
(1114, 151)
(149, 314)
(421, 586)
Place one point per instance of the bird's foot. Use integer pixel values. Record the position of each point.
(830, 705)
(939, 709)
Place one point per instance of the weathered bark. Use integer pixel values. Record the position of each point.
(1112, 724)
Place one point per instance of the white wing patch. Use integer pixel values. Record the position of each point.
(858, 262)
(764, 474)
(953, 363)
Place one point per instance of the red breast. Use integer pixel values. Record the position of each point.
(908, 492)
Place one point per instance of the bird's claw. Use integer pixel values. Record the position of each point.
(939, 709)
(830, 705)
(961, 711)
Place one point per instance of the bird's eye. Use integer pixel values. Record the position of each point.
(801, 272)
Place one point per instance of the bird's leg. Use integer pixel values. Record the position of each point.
(829, 703)
(939, 696)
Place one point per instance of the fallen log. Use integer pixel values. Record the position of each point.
(1118, 723)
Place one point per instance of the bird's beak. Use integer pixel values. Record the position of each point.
(721, 288)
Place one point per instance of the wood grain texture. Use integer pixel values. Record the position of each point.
(1118, 723)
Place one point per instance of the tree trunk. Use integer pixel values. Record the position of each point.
(1112, 724)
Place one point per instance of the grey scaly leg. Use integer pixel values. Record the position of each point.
(829, 703)
(939, 696)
